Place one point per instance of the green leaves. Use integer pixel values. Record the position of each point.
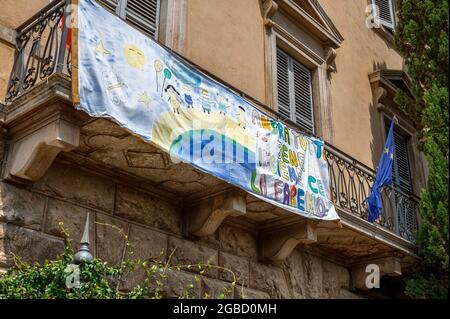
(98, 279)
(422, 38)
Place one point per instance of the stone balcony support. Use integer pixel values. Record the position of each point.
(387, 266)
(37, 127)
(205, 216)
(278, 239)
(31, 155)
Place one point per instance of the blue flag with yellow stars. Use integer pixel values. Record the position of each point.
(383, 176)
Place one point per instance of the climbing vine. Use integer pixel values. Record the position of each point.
(60, 278)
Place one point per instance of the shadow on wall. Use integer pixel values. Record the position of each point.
(377, 142)
(376, 65)
(377, 139)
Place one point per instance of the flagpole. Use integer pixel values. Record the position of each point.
(74, 51)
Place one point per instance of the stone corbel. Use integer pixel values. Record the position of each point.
(269, 7)
(329, 59)
(380, 95)
(388, 266)
(31, 155)
(204, 217)
(278, 240)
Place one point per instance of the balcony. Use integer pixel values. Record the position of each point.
(40, 80)
(350, 185)
(42, 49)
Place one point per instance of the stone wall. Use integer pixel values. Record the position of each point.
(29, 218)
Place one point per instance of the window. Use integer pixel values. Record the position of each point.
(294, 91)
(143, 14)
(384, 9)
(405, 209)
(401, 169)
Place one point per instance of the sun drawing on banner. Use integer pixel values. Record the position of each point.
(134, 56)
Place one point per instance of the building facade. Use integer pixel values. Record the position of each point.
(324, 67)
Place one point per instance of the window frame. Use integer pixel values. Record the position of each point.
(392, 6)
(398, 130)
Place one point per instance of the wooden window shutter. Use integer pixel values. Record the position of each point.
(401, 173)
(303, 97)
(294, 84)
(284, 99)
(385, 12)
(110, 4)
(143, 14)
(401, 162)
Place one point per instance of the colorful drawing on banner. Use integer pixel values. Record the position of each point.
(196, 119)
(144, 98)
(134, 56)
(100, 49)
(158, 68)
(167, 76)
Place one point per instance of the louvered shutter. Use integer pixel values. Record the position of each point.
(284, 100)
(143, 14)
(385, 12)
(303, 97)
(294, 91)
(401, 174)
(401, 162)
(110, 4)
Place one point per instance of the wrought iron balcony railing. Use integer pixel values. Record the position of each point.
(350, 183)
(43, 49)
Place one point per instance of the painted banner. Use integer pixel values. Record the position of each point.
(126, 76)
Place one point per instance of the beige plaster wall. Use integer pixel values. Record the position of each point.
(356, 123)
(227, 39)
(6, 63)
(15, 12)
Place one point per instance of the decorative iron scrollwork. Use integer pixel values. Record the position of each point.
(350, 183)
(39, 48)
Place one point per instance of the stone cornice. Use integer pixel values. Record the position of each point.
(299, 15)
(383, 77)
(378, 233)
(57, 87)
(269, 7)
(307, 51)
(384, 92)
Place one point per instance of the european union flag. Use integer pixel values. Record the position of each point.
(383, 176)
